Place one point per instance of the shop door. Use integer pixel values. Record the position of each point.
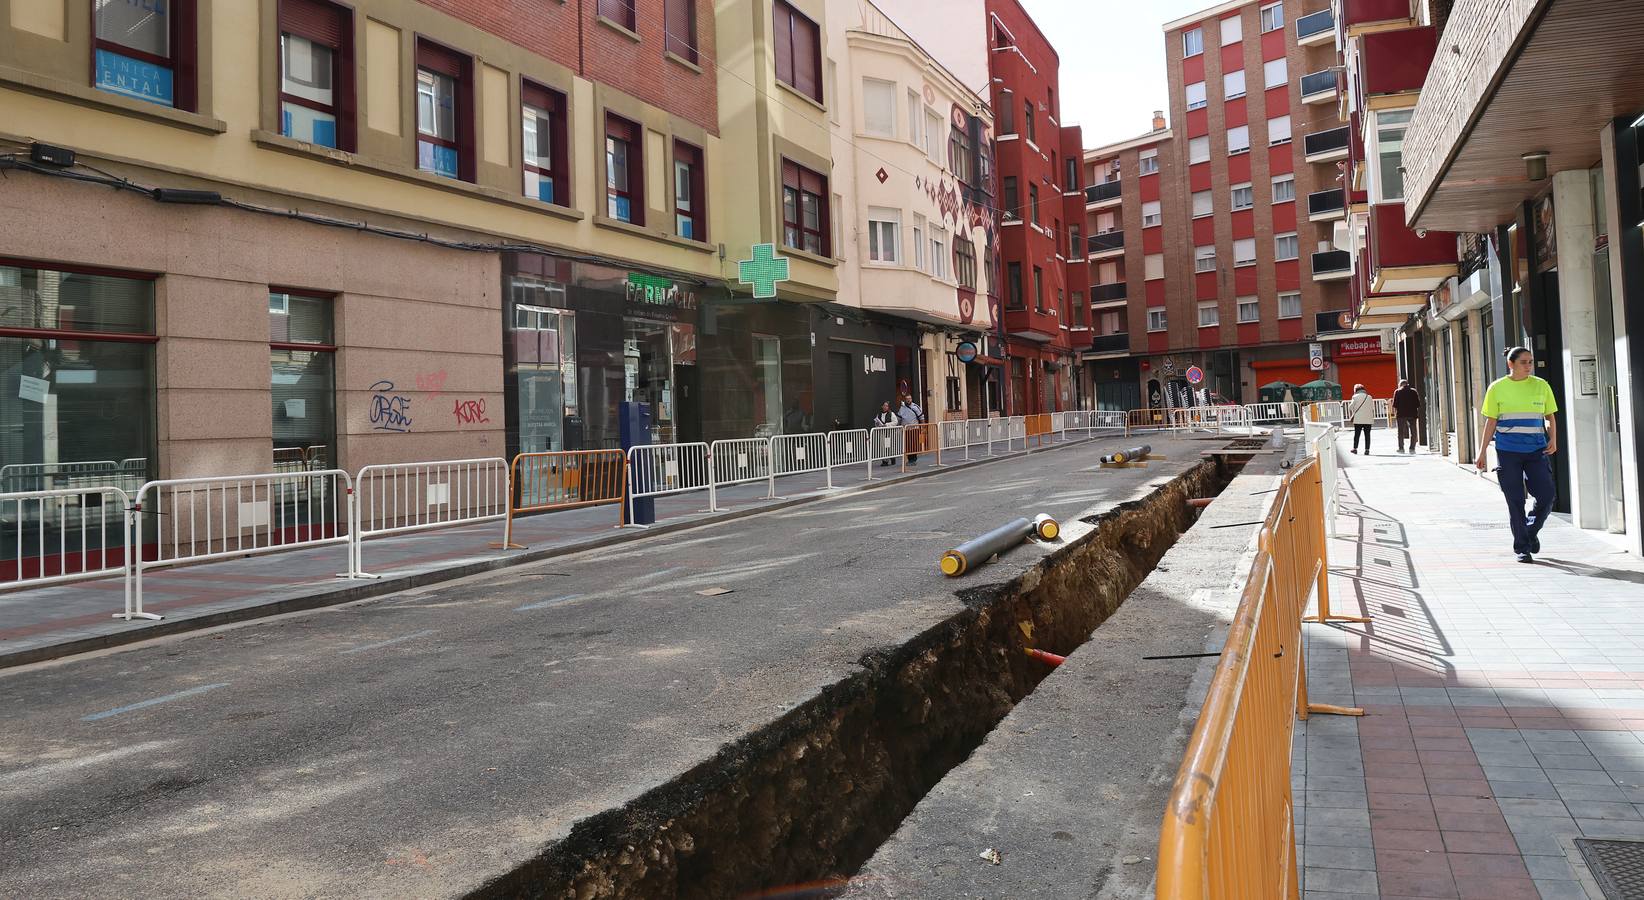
(841, 404)
(1548, 327)
(649, 374)
(1120, 395)
(1464, 397)
(545, 373)
(1609, 397)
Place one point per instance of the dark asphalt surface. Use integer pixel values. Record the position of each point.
(419, 744)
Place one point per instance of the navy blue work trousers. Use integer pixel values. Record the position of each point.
(1518, 471)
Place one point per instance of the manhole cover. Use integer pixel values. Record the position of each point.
(913, 535)
(1618, 867)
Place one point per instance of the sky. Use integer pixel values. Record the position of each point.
(1113, 61)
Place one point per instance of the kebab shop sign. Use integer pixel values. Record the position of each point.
(1358, 346)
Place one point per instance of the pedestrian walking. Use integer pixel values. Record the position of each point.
(885, 419)
(910, 413)
(1406, 409)
(1518, 413)
(1361, 411)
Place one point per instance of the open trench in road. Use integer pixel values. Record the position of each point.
(795, 807)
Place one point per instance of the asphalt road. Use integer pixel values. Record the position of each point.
(421, 743)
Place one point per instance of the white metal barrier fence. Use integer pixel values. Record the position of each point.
(954, 435)
(738, 461)
(77, 524)
(886, 443)
(657, 470)
(849, 448)
(976, 435)
(1275, 413)
(798, 454)
(402, 497)
(1321, 442)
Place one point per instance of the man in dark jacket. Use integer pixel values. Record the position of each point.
(1407, 409)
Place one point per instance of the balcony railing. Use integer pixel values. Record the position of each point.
(1331, 204)
(1107, 190)
(1110, 343)
(1329, 265)
(1318, 86)
(1102, 293)
(1316, 28)
(1103, 243)
(1323, 146)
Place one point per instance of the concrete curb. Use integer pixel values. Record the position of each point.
(396, 584)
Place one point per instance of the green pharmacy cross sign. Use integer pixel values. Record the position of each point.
(763, 271)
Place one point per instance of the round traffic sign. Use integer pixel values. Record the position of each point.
(1194, 374)
(966, 351)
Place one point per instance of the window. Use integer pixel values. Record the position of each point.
(933, 135)
(690, 199)
(1233, 85)
(1289, 306)
(1038, 289)
(546, 171)
(1198, 149)
(1249, 309)
(1075, 243)
(145, 53)
(1244, 252)
(619, 11)
(915, 123)
(1156, 320)
(1033, 202)
(1275, 73)
(1006, 105)
(1272, 17)
(1204, 259)
(1147, 162)
(878, 107)
(1285, 246)
(918, 241)
(939, 253)
(1028, 130)
(1209, 314)
(1050, 102)
(1232, 30)
(1080, 310)
(1389, 172)
(1107, 273)
(1070, 180)
(1278, 129)
(1243, 196)
(1153, 266)
(1238, 140)
(316, 73)
(884, 228)
(1203, 204)
(1106, 221)
(1014, 286)
(1195, 95)
(1011, 198)
(444, 121)
(302, 355)
(798, 50)
(804, 214)
(1284, 188)
(624, 170)
(964, 262)
(1150, 214)
(1193, 42)
(679, 24)
(1111, 322)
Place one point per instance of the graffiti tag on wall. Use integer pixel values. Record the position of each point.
(470, 412)
(389, 411)
(432, 383)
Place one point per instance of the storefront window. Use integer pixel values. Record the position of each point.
(302, 357)
(767, 382)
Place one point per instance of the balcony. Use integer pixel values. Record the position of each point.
(1327, 146)
(1110, 343)
(1316, 28)
(1105, 245)
(1403, 260)
(1392, 62)
(1332, 265)
(1108, 193)
(1107, 293)
(1322, 206)
(1355, 13)
(1319, 87)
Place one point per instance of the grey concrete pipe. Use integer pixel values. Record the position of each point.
(1134, 453)
(978, 550)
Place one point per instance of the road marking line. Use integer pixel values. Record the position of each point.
(389, 641)
(541, 603)
(166, 699)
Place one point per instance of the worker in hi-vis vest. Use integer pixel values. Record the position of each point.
(1518, 413)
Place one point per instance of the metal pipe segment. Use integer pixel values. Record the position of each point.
(1133, 453)
(980, 549)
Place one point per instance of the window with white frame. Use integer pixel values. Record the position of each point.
(1389, 173)
(1203, 204)
(1232, 30)
(1243, 196)
(1153, 266)
(1275, 73)
(1204, 258)
(1107, 273)
(1193, 42)
(1150, 214)
(1249, 309)
(1278, 129)
(1238, 139)
(1272, 17)
(1286, 246)
(879, 107)
(1147, 162)
(1106, 221)
(1209, 314)
(918, 242)
(1198, 149)
(1290, 306)
(1233, 85)
(1195, 95)
(915, 123)
(1284, 188)
(1156, 320)
(935, 136)
(1244, 252)
(884, 228)
(939, 253)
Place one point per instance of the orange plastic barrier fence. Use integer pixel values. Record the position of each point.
(1229, 828)
(1038, 426)
(919, 439)
(565, 479)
